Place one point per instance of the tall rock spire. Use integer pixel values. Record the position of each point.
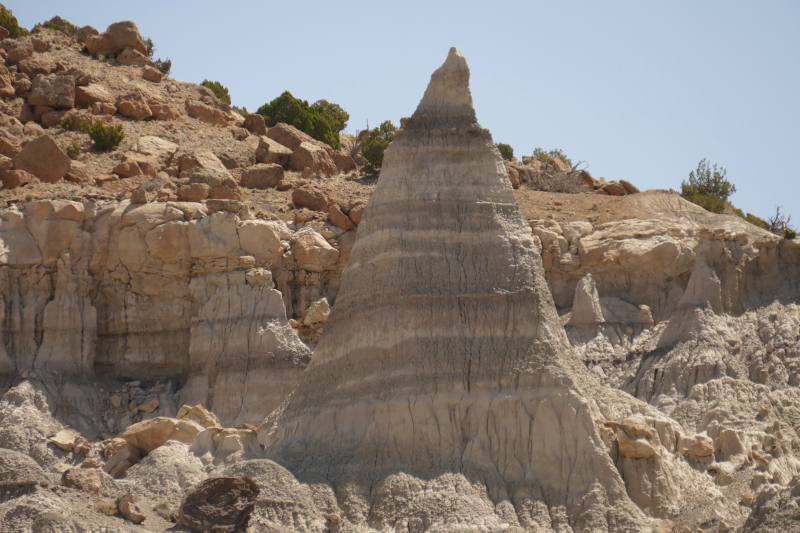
(444, 355)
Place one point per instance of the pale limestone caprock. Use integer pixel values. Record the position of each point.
(444, 389)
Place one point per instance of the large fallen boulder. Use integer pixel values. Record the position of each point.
(270, 151)
(219, 504)
(53, 91)
(44, 159)
(312, 158)
(115, 39)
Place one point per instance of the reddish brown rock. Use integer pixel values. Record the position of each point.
(78, 173)
(19, 52)
(102, 179)
(129, 56)
(122, 460)
(8, 147)
(16, 178)
(313, 158)
(134, 106)
(558, 165)
(255, 123)
(208, 114)
(151, 73)
(40, 45)
(44, 159)
(589, 181)
(7, 89)
(629, 187)
(33, 66)
(221, 503)
(356, 213)
(344, 163)
(613, 188)
(130, 508)
(139, 196)
(102, 108)
(194, 192)
(311, 198)
(3, 33)
(513, 176)
(270, 151)
(127, 169)
(283, 185)
(225, 193)
(116, 38)
(164, 112)
(289, 136)
(339, 219)
(85, 479)
(262, 176)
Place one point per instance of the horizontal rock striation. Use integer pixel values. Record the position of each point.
(444, 358)
(153, 291)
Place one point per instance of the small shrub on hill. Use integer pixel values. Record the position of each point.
(219, 90)
(545, 156)
(49, 26)
(73, 150)
(104, 137)
(315, 120)
(376, 144)
(164, 66)
(340, 116)
(67, 123)
(9, 22)
(506, 151)
(708, 187)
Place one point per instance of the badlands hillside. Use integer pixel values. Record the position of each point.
(219, 326)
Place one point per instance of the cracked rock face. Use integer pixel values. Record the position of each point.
(444, 359)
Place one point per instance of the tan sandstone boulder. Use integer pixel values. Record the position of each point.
(116, 38)
(270, 151)
(129, 56)
(150, 434)
(311, 157)
(255, 123)
(53, 91)
(312, 198)
(313, 252)
(133, 105)
(88, 95)
(262, 176)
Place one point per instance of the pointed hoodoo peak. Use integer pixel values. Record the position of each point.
(448, 92)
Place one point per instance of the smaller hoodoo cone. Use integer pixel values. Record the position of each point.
(444, 360)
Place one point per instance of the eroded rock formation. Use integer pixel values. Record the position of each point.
(443, 362)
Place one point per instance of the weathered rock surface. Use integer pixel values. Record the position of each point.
(130, 508)
(219, 504)
(44, 159)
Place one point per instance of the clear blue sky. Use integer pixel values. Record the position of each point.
(640, 90)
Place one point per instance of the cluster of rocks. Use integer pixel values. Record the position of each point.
(611, 188)
(47, 83)
(557, 176)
